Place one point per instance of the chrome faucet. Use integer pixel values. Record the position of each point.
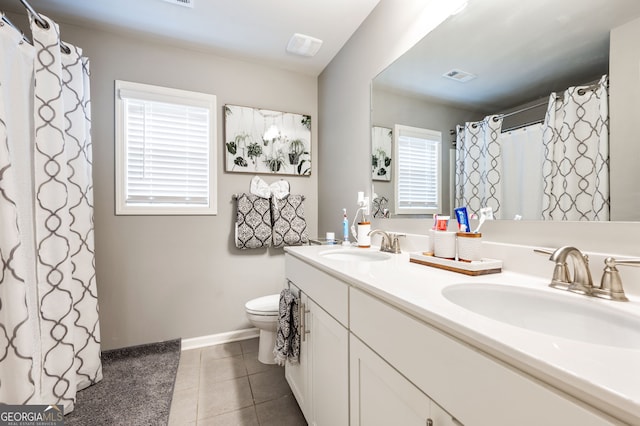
(581, 281)
(390, 242)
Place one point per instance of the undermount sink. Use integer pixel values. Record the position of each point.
(549, 313)
(355, 255)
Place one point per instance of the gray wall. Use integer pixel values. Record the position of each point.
(624, 108)
(344, 105)
(181, 276)
(344, 108)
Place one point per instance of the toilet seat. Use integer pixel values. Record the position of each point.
(264, 306)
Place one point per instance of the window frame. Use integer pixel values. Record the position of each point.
(416, 132)
(153, 93)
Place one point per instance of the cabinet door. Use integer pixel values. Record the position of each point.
(329, 350)
(382, 396)
(297, 375)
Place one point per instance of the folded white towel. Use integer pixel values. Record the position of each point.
(279, 189)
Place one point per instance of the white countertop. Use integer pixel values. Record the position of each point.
(605, 377)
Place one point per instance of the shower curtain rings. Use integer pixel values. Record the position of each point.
(42, 23)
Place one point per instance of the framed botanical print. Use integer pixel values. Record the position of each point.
(266, 141)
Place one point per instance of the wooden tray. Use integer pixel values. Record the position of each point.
(480, 267)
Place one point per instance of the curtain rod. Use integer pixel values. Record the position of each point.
(520, 126)
(12, 25)
(522, 110)
(581, 91)
(42, 23)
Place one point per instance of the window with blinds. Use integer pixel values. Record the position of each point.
(165, 151)
(417, 176)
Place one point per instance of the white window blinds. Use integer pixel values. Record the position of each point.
(417, 176)
(166, 150)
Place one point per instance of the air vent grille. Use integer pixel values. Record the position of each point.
(185, 3)
(303, 45)
(459, 75)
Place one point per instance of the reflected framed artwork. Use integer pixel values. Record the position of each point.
(381, 153)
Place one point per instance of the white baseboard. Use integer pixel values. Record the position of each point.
(216, 339)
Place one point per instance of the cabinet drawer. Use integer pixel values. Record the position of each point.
(475, 388)
(327, 291)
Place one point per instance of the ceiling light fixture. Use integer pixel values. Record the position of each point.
(303, 45)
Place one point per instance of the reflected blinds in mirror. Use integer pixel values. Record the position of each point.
(417, 176)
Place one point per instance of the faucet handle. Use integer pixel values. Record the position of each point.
(611, 283)
(385, 242)
(395, 245)
(543, 251)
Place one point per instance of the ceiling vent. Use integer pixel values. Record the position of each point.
(459, 75)
(303, 45)
(185, 3)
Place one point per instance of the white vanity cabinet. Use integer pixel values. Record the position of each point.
(475, 388)
(320, 382)
(382, 396)
(368, 360)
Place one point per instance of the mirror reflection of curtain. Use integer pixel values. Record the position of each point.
(522, 157)
(479, 165)
(576, 165)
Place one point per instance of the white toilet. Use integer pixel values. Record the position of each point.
(263, 314)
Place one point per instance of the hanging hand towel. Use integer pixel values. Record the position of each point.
(289, 224)
(287, 346)
(253, 222)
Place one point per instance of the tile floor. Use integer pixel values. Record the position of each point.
(227, 385)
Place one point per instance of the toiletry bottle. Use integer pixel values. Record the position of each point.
(345, 228)
(364, 240)
(364, 227)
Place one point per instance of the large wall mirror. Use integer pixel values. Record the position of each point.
(505, 58)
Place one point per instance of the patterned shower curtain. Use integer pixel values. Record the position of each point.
(576, 165)
(479, 165)
(49, 328)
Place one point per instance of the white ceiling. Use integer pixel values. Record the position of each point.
(257, 30)
(520, 50)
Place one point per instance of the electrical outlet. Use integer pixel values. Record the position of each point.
(365, 205)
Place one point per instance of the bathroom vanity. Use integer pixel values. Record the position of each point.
(387, 341)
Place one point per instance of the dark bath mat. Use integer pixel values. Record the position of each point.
(136, 389)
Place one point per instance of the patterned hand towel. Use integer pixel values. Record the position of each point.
(287, 346)
(253, 222)
(289, 224)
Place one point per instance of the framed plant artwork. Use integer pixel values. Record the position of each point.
(381, 153)
(265, 141)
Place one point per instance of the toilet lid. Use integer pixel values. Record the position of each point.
(265, 304)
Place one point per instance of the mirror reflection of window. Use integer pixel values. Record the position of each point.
(417, 171)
